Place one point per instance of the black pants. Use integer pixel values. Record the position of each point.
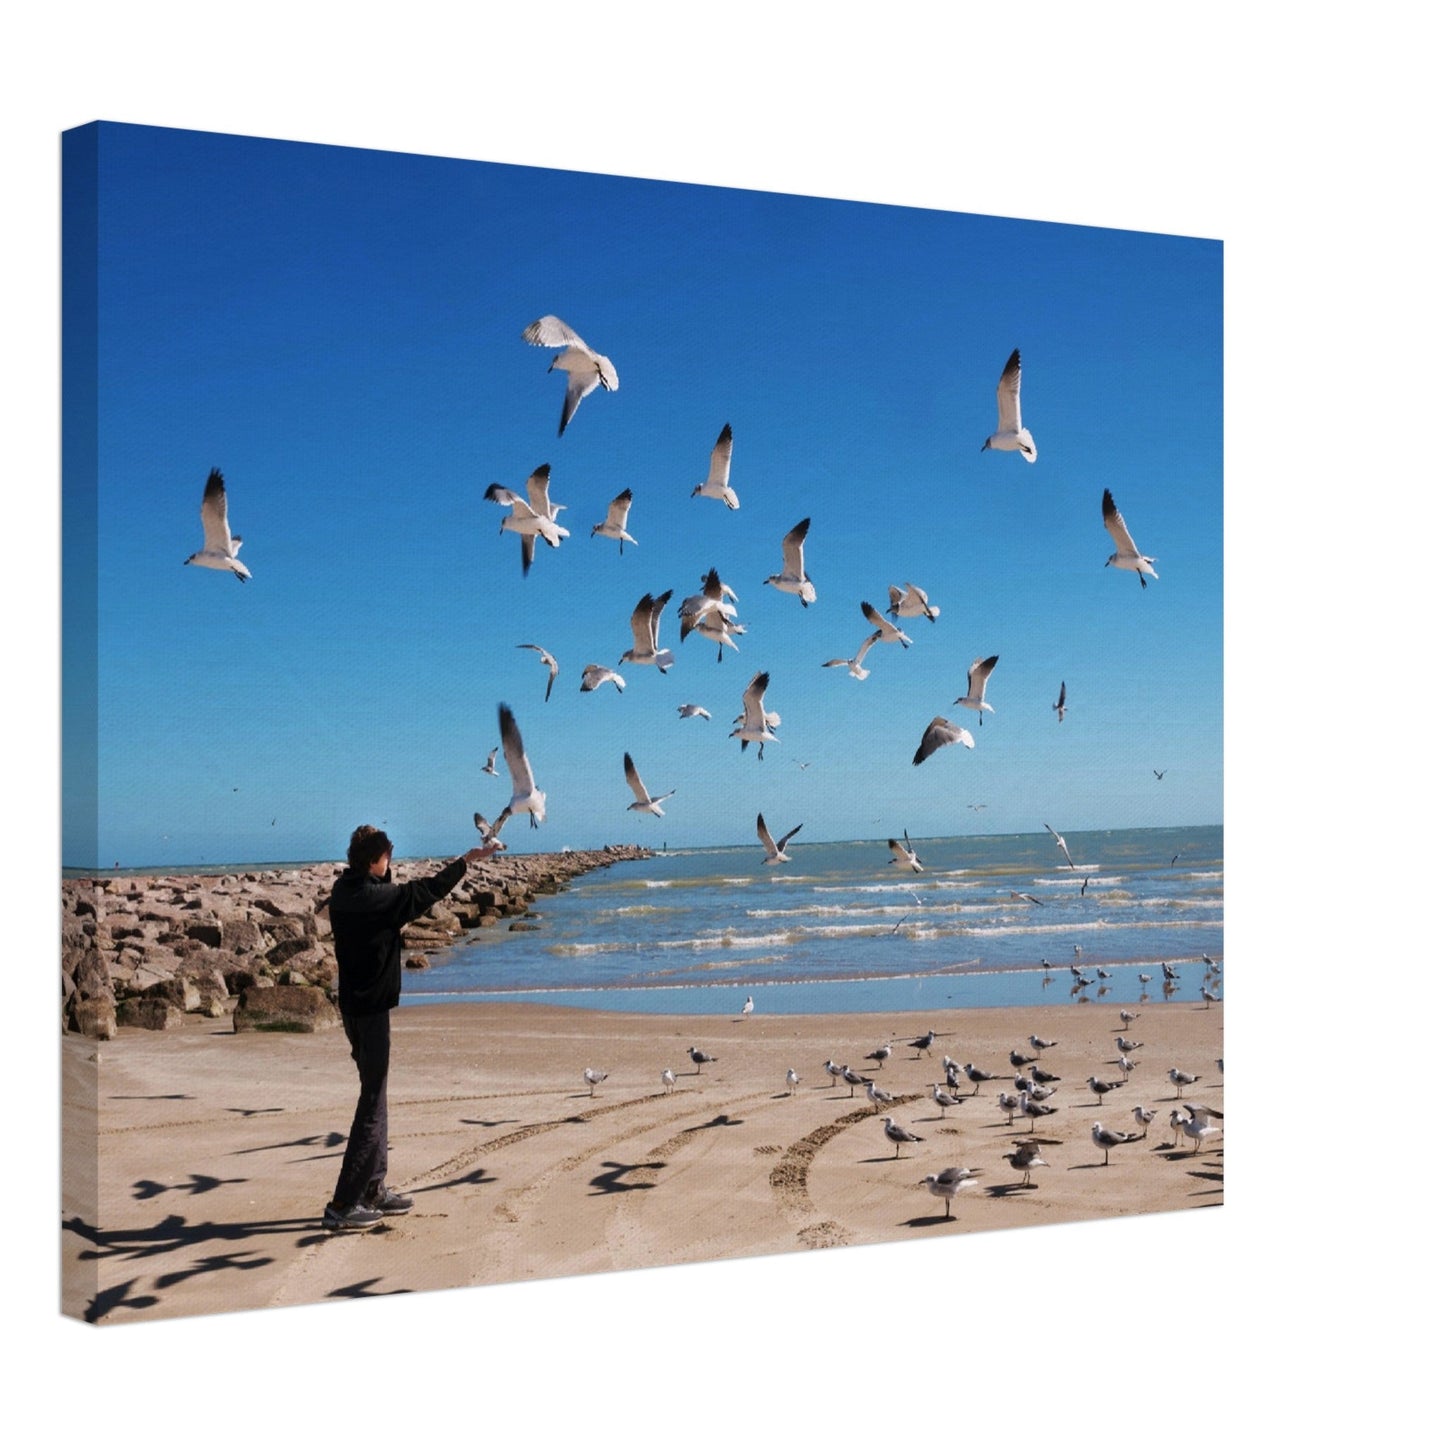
(363, 1170)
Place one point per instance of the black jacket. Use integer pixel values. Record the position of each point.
(367, 914)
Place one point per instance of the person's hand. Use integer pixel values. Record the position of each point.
(480, 855)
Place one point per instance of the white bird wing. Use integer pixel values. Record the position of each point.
(866, 647)
(766, 838)
(523, 784)
(978, 676)
(793, 550)
(583, 376)
(916, 594)
(642, 634)
(1114, 524)
(899, 851)
(895, 598)
(213, 515)
(940, 733)
(874, 616)
(633, 781)
(1062, 844)
(1010, 415)
(618, 509)
(654, 618)
(551, 331)
(537, 493)
(505, 497)
(720, 465)
(753, 700)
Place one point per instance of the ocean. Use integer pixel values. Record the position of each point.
(841, 929)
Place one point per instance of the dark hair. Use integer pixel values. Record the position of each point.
(367, 845)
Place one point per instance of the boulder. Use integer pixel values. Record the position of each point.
(93, 1017)
(148, 1013)
(285, 1008)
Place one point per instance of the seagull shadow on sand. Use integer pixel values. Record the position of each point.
(997, 1191)
(927, 1221)
(362, 1289)
(610, 1181)
(722, 1121)
(200, 1184)
(477, 1176)
(152, 1096)
(489, 1123)
(117, 1297)
(333, 1140)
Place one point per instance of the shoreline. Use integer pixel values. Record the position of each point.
(216, 1151)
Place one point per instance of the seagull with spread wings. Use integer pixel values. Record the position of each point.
(547, 661)
(910, 601)
(220, 549)
(774, 851)
(854, 664)
(615, 523)
(526, 796)
(719, 470)
(586, 369)
(1126, 556)
(645, 803)
(794, 578)
(1059, 842)
(887, 632)
(756, 722)
(1011, 436)
(532, 516)
(941, 733)
(1059, 706)
(978, 675)
(645, 618)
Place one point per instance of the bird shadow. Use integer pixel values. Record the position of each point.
(477, 1176)
(117, 1297)
(200, 1184)
(489, 1123)
(997, 1191)
(611, 1181)
(333, 1140)
(251, 1113)
(362, 1289)
(927, 1221)
(722, 1121)
(152, 1096)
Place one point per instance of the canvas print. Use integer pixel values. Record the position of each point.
(613, 722)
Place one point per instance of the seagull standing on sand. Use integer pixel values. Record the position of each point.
(978, 676)
(594, 675)
(1059, 706)
(835, 1071)
(645, 619)
(878, 1097)
(1035, 1042)
(1011, 435)
(944, 1100)
(547, 661)
(887, 632)
(774, 851)
(1035, 1109)
(941, 733)
(1181, 1080)
(699, 1058)
(755, 724)
(586, 369)
(1026, 1158)
(1101, 1087)
(910, 601)
(615, 523)
(1194, 1122)
(977, 1076)
(794, 578)
(1059, 842)
(880, 1056)
(592, 1077)
(1108, 1139)
(903, 853)
(1009, 1104)
(1127, 1017)
(1144, 1117)
(854, 664)
(219, 547)
(718, 471)
(897, 1135)
(947, 1184)
(645, 803)
(791, 1080)
(1127, 1046)
(1126, 556)
(669, 1081)
(923, 1045)
(748, 1006)
(526, 797)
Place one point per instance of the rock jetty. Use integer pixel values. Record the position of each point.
(256, 946)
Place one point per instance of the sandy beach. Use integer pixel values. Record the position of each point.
(216, 1151)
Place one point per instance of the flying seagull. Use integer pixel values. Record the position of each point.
(718, 470)
(645, 618)
(978, 676)
(691, 709)
(793, 578)
(910, 601)
(775, 853)
(491, 766)
(940, 733)
(1011, 435)
(1025, 897)
(531, 516)
(615, 523)
(220, 546)
(645, 803)
(947, 1184)
(586, 369)
(1062, 844)
(755, 723)
(1159, 775)
(1127, 557)
(903, 853)
(1059, 706)
(854, 664)
(547, 661)
(526, 798)
(594, 675)
(887, 632)
(484, 831)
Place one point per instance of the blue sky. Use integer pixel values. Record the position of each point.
(339, 331)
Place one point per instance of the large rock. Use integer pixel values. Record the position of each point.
(286, 1008)
(148, 1013)
(93, 1017)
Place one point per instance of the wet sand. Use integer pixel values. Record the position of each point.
(217, 1151)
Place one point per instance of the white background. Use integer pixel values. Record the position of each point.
(1310, 150)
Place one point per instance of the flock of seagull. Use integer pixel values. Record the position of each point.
(1033, 1088)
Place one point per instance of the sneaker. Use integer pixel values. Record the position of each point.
(388, 1201)
(358, 1216)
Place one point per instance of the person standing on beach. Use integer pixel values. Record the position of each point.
(368, 911)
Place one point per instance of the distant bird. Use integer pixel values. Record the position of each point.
(547, 661)
(897, 1135)
(1059, 706)
(878, 1097)
(1169, 973)
(1027, 1157)
(1025, 897)
(586, 369)
(952, 1075)
(923, 1045)
(669, 1081)
(835, 1071)
(484, 831)
(794, 578)
(1126, 556)
(1035, 1042)
(491, 764)
(791, 1080)
(1159, 775)
(1146, 979)
(903, 853)
(886, 632)
(645, 803)
(1042, 1076)
(526, 796)
(615, 522)
(1035, 1110)
(691, 709)
(910, 601)
(1125, 1065)
(853, 1079)
(719, 470)
(645, 620)
(711, 613)
(977, 1076)
(747, 1006)
(700, 1058)
(1127, 1046)
(774, 852)
(1207, 996)
(1127, 1017)
(1011, 435)
(1181, 1080)
(1060, 843)
(1009, 1104)
(1108, 1139)
(947, 1185)
(219, 547)
(594, 675)
(756, 723)
(592, 1077)
(1018, 1059)
(941, 733)
(944, 1100)
(532, 516)
(1100, 1087)
(1102, 973)
(854, 664)
(880, 1056)
(1144, 1117)
(979, 672)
